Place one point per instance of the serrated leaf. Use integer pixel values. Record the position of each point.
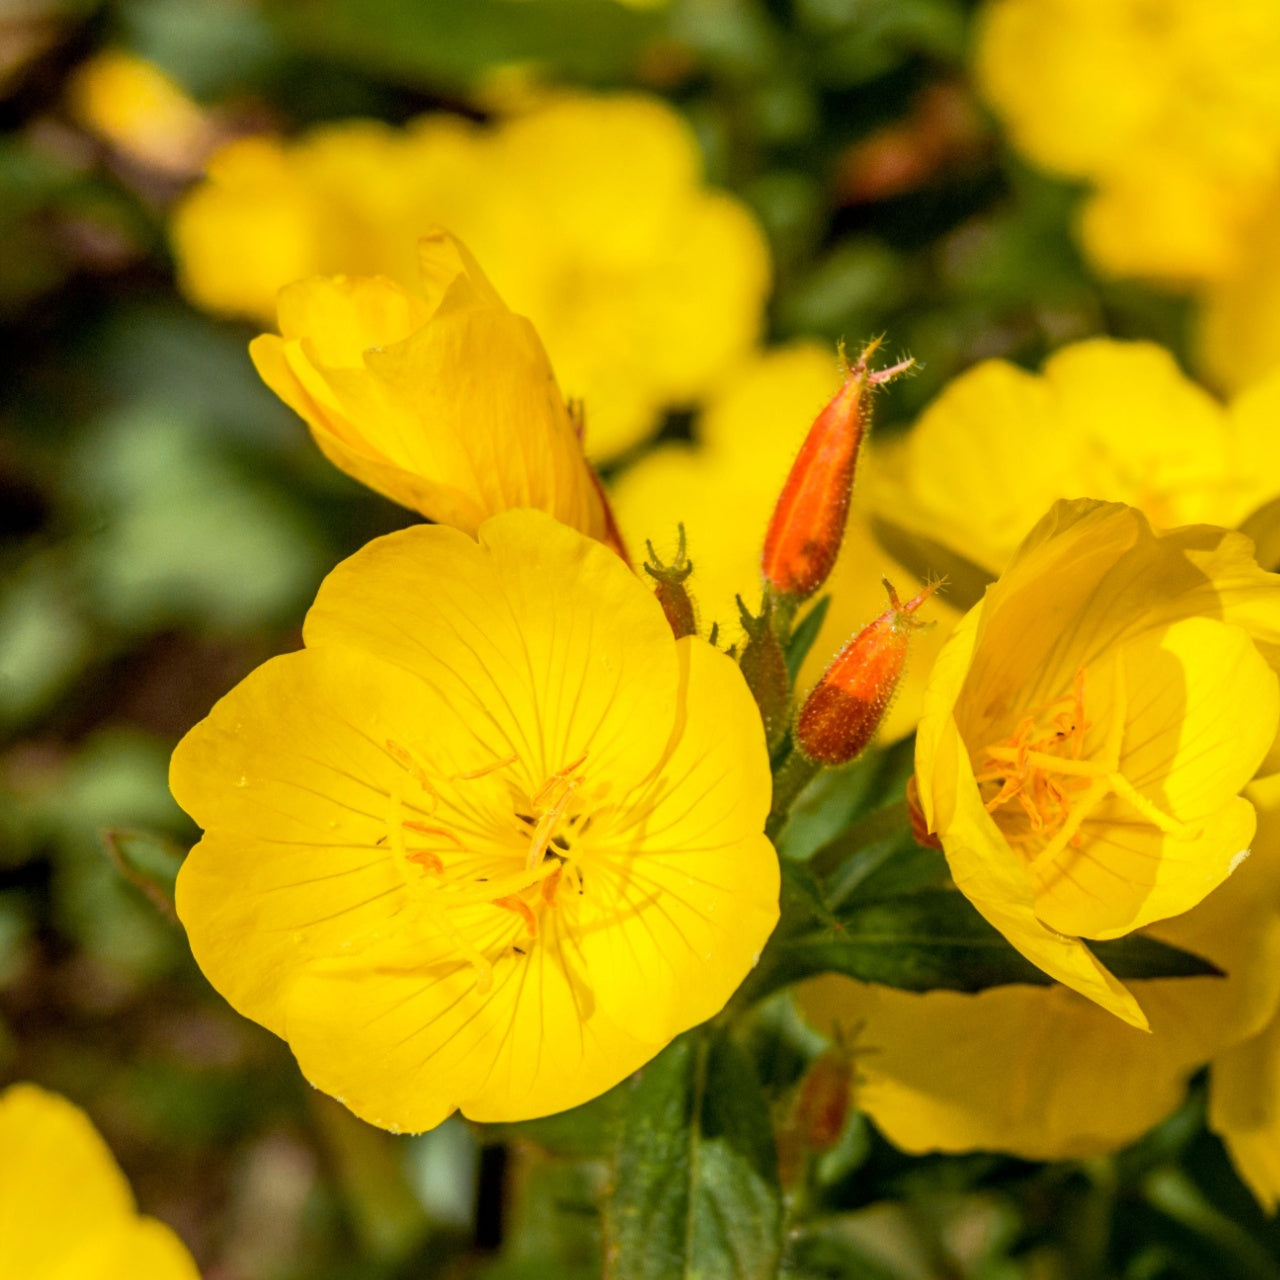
(802, 638)
(695, 1188)
(934, 939)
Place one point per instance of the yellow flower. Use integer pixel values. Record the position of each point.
(490, 840)
(66, 1210)
(1088, 728)
(444, 403)
(1114, 420)
(1244, 1087)
(1238, 323)
(142, 112)
(1169, 109)
(724, 489)
(646, 286)
(1043, 1073)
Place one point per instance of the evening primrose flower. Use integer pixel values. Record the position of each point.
(490, 840)
(445, 403)
(647, 286)
(1043, 1073)
(723, 490)
(1088, 728)
(142, 112)
(1238, 320)
(1107, 419)
(1168, 109)
(65, 1207)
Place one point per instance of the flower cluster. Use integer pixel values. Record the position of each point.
(646, 286)
(495, 835)
(1170, 111)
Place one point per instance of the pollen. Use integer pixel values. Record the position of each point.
(1041, 783)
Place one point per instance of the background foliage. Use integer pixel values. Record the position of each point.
(165, 522)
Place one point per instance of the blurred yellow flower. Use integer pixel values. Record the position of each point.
(445, 403)
(142, 112)
(1105, 419)
(490, 840)
(1088, 728)
(66, 1211)
(1238, 324)
(1168, 109)
(646, 285)
(724, 489)
(1043, 1073)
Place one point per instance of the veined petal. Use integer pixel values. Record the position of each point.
(344, 316)
(1043, 1073)
(1201, 708)
(996, 880)
(505, 637)
(682, 880)
(530, 1045)
(300, 852)
(448, 405)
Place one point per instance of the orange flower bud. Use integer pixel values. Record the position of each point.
(819, 1112)
(807, 525)
(840, 717)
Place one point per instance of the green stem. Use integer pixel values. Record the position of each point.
(795, 773)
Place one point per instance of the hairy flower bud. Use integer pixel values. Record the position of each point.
(673, 596)
(807, 525)
(840, 717)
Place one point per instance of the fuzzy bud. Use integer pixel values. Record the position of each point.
(840, 717)
(807, 526)
(673, 596)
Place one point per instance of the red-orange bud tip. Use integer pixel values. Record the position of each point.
(840, 717)
(808, 522)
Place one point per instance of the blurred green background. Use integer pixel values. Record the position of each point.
(166, 521)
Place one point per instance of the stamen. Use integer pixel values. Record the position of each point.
(423, 829)
(484, 771)
(561, 775)
(405, 760)
(551, 884)
(427, 903)
(523, 910)
(1057, 792)
(546, 827)
(427, 859)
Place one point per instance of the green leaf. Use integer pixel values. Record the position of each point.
(934, 939)
(928, 559)
(802, 638)
(439, 44)
(695, 1186)
(147, 861)
(1139, 957)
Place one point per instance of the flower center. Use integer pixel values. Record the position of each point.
(452, 862)
(1041, 783)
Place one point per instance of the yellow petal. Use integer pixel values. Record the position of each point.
(508, 637)
(1201, 711)
(1043, 1073)
(66, 1211)
(449, 407)
(684, 866)
(530, 1045)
